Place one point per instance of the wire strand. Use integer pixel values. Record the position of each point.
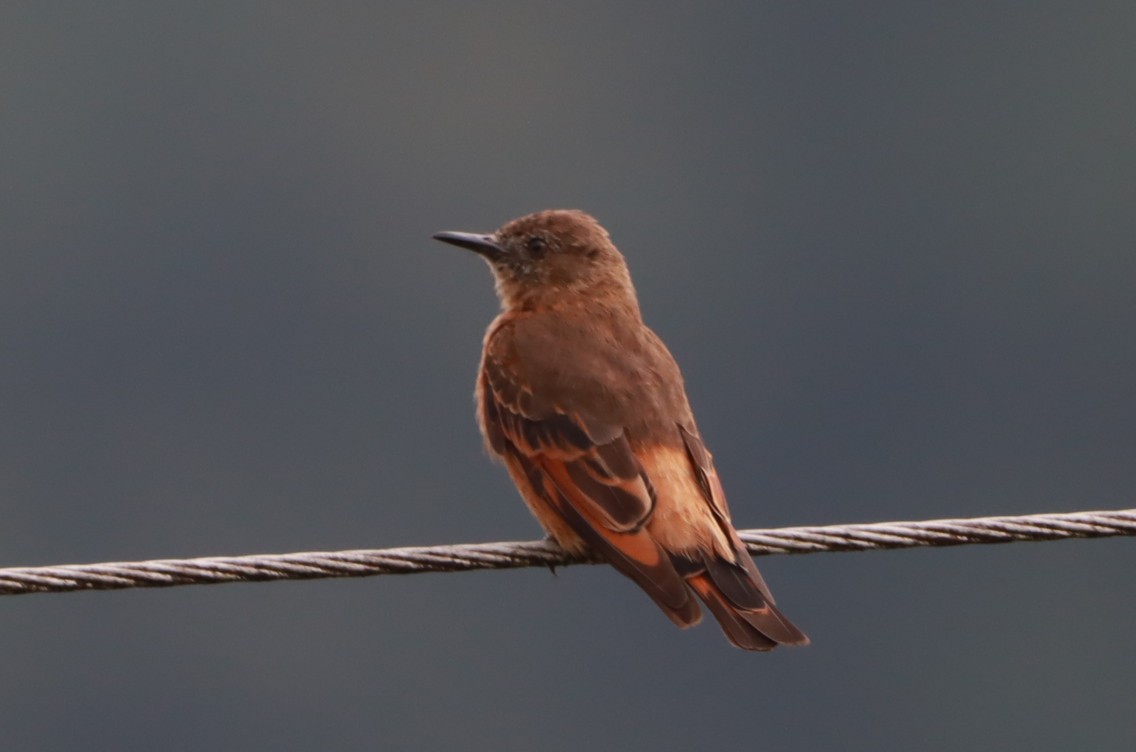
(513, 555)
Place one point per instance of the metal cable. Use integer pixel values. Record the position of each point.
(513, 555)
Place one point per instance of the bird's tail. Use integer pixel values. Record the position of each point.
(747, 628)
(738, 598)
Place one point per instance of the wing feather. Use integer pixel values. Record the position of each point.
(587, 473)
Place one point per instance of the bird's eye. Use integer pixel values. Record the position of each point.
(536, 245)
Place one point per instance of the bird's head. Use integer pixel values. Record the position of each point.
(550, 259)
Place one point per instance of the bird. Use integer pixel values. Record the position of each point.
(586, 408)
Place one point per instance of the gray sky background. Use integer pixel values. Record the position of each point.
(891, 244)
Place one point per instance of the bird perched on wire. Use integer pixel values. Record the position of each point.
(586, 408)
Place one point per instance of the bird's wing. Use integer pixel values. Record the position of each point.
(585, 470)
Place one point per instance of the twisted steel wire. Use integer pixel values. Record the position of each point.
(513, 555)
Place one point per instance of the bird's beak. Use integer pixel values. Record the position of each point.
(485, 245)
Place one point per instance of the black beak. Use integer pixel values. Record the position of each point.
(485, 245)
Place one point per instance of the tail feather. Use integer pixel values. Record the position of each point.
(749, 600)
(750, 621)
(738, 631)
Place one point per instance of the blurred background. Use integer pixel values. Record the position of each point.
(892, 245)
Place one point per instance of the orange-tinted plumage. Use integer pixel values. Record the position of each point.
(586, 408)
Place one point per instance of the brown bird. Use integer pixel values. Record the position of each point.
(586, 407)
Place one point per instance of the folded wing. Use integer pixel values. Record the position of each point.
(584, 470)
